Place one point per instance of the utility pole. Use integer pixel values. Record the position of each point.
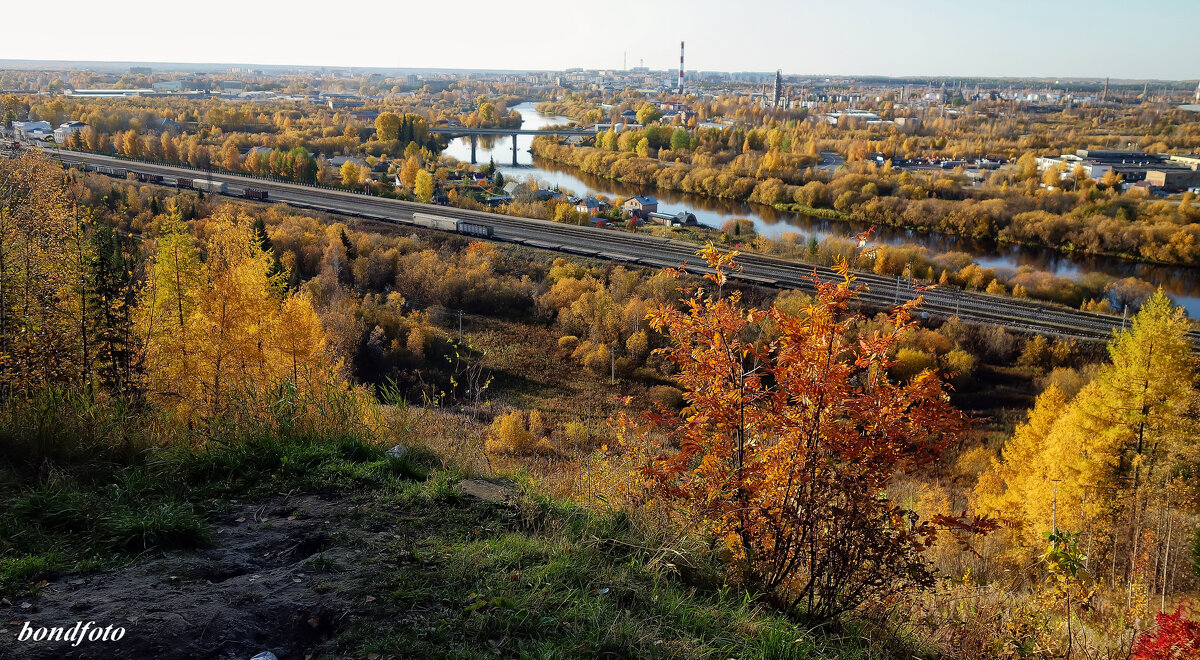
(1124, 313)
(460, 318)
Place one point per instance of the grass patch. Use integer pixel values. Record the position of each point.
(28, 569)
(551, 580)
(98, 503)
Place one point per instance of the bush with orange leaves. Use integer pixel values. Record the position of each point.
(786, 445)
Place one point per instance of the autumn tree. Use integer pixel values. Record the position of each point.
(164, 317)
(648, 113)
(408, 171)
(424, 186)
(351, 174)
(786, 446)
(387, 126)
(231, 160)
(43, 252)
(1107, 460)
(224, 330)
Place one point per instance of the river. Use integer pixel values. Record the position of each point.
(1182, 283)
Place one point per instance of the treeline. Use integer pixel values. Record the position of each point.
(1093, 218)
(994, 129)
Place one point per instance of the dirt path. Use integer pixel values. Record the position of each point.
(279, 576)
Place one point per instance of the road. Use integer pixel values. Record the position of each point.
(656, 252)
(830, 161)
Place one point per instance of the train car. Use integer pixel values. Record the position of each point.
(472, 229)
(435, 222)
(183, 183)
(118, 172)
(149, 178)
(210, 186)
(254, 193)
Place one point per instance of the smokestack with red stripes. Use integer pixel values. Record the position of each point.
(681, 68)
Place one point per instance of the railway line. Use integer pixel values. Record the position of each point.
(651, 251)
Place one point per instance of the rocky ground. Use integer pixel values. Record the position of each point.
(283, 575)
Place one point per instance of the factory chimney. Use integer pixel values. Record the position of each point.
(681, 68)
(1198, 92)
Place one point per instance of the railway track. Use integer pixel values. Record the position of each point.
(640, 249)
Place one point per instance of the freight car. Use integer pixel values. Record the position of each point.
(476, 230)
(118, 172)
(210, 186)
(254, 193)
(149, 178)
(183, 183)
(451, 224)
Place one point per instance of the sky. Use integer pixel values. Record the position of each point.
(1015, 38)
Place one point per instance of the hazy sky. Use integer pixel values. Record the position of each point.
(1042, 38)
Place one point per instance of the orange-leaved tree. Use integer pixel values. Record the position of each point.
(789, 439)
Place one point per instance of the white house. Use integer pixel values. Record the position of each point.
(65, 131)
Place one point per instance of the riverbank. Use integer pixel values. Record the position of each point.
(867, 208)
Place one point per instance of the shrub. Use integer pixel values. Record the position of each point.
(1036, 354)
(597, 358)
(909, 363)
(960, 365)
(784, 451)
(576, 434)
(738, 228)
(509, 435)
(1176, 636)
(568, 343)
(666, 396)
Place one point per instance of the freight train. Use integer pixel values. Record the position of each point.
(451, 224)
(119, 172)
(210, 186)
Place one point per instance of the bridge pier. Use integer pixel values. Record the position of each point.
(474, 142)
(514, 136)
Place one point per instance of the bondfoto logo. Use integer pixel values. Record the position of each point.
(79, 633)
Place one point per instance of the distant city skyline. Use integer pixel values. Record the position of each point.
(1021, 38)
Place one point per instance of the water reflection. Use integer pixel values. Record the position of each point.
(1182, 283)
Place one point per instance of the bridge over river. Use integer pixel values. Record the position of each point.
(474, 133)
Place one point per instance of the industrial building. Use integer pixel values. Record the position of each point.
(1170, 173)
(31, 130)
